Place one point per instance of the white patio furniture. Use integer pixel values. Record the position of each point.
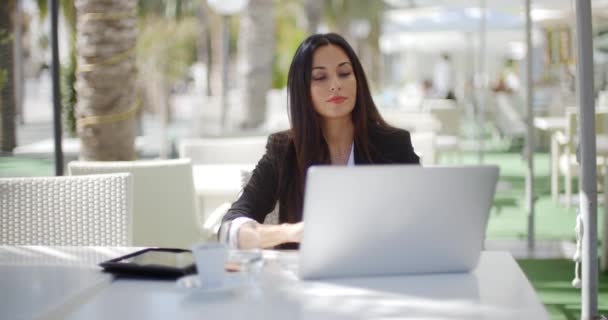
(563, 152)
(496, 289)
(233, 150)
(217, 184)
(70, 147)
(213, 220)
(95, 210)
(448, 114)
(218, 166)
(424, 146)
(411, 121)
(164, 203)
(508, 117)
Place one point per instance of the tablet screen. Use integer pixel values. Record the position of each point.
(162, 258)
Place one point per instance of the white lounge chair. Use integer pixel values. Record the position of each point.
(164, 203)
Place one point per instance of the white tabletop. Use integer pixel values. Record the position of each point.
(550, 123)
(37, 281)
(496, 289)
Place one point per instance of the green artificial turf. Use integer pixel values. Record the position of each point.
(551, 278)
(26, 167)
(509, 218)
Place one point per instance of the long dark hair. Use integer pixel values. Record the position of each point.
(306, 135)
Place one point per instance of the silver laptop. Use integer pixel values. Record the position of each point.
(394, 219)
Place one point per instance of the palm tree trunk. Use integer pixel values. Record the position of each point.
(106, 78)
(7, 93)
(256, 49)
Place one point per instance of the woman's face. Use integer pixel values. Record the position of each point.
(333, 86)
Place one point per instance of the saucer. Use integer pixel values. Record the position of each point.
(192, 282)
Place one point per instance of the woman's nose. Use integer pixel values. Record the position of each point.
(335, 85)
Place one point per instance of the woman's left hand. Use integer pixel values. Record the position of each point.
(293, 231)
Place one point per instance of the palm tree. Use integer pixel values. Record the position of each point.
(7, 94)
(256, 50)
(105, 81)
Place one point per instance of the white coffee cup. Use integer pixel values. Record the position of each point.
(210, 263)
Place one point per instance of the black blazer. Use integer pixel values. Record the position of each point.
(264, 190)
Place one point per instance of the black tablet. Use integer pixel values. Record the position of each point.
(153, 263)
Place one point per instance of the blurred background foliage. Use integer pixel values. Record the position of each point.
(3, 75)
(289, 34)
(175, 35)
(169, 32)
(171, 44)
(69, 96)
(68, 68)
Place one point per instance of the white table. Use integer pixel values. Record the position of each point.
(39, 282)
(548, 126)
(496, 289)
(550, 123)
(412, 121)
(70, 147)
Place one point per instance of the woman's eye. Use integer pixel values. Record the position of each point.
(344, 74)
(320, 78)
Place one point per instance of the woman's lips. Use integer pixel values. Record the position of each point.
(336, 99)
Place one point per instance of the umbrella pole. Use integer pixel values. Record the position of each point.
(529, 151)
(588, 183)
(56, 89)
(482, 80)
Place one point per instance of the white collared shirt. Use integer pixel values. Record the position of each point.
(233, 228)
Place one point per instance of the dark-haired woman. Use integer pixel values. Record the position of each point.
(333, 121)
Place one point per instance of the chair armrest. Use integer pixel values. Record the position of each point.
(214, 221)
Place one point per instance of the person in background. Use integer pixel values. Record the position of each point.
(443, 78)
(334, 121)
(508, 80)
(427, 88)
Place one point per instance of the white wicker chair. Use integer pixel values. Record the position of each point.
(164, 203)
(66, 211)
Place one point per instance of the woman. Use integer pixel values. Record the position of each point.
(333, 121)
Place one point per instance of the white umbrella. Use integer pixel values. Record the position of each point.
(448, 19)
